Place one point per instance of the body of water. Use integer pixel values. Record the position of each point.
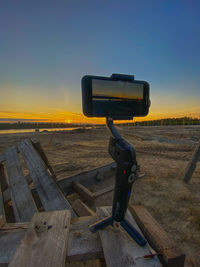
(12, 131)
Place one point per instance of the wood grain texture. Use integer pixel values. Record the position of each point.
(9, 241)
(82, 209)
(121, 250)
(13, 226)
(45, 242)
(42, 154)
(23, 204)
(85, 193)
(6, 193)
(88, 177)
(104, 191)
(83, 245)
(192, 164)
(157, 237)
(49, 192)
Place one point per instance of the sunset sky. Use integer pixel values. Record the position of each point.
(47, 46)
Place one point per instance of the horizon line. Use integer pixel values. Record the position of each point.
(13, 121)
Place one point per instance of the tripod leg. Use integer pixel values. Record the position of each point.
(133, 233)
(101, 224)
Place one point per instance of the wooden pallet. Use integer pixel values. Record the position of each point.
(58, 236)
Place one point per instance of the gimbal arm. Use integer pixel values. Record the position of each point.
(111, 128)
(124, 155)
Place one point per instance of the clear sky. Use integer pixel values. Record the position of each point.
(47, 46)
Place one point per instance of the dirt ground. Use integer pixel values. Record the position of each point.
(162, 153)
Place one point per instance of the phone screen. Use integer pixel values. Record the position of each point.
(116, 90)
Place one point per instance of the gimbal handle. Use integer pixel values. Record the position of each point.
(124, 155)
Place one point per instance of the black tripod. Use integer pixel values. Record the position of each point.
(124, 155)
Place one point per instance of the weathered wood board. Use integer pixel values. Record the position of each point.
(119, 248)
(192, 164)
(82, 209)
(45, 242)
(83, 245)
(157, 237)
(14, 226)
(23, 204)
(104, 191)
(43, 156)
(9, 241)
(49, 192)
(89, 177)
(85, 193)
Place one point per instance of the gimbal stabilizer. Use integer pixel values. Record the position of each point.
(124, 155)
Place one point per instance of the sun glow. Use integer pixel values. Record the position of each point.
(64, 116)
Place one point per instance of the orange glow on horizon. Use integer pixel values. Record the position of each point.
(69, 117)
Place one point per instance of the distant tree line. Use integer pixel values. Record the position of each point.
(169, 121)
(49, 125)
(35, 125)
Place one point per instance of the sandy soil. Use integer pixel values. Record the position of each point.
(162, 153)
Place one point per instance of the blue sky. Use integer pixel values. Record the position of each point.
(47, 46)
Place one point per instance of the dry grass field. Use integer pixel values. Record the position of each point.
(162, 153)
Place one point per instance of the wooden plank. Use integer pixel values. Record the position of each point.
(89, 177)
(72, 197)
(92, 248)
(121, 250)
(85, 193)
(23, 204)
(14, 226)
(192, 164)
(83, 245)
(9, 241)
(104, 191)
(7, 194)
(45, 242)
(42, 154)
(157, 237)
(49, 192)
(82, 209)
